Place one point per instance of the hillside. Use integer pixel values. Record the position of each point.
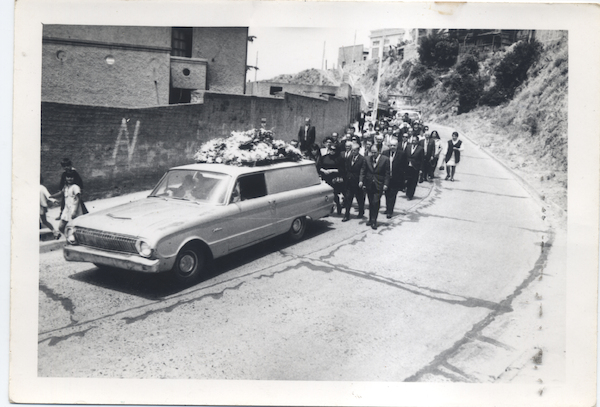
(527, 130)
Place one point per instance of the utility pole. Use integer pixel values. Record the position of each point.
(376, 102)
(322, 65)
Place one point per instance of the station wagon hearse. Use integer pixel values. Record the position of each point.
(199, 212)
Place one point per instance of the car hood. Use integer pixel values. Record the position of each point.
(150, 217)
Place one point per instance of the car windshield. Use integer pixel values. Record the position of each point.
(193, 185)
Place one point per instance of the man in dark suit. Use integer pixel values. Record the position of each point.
(414, 163)
(355, 165)
(396, 176)
(428, 145)
(306, 136)
(375, 181)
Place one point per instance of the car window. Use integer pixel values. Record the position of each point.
(191, 185)
(251, 186)
(286, 179)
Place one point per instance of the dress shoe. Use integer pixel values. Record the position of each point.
(346, 219)
(447, 177)
(389, 216)
(369, 223)
(452, 179)
(421, 181)
(374, 226)
(361, 215)
(410, 198)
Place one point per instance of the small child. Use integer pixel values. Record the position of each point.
(71, 194)
(44, 199)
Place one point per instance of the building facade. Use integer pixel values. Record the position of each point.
(386, 38)
(140, 66)
(351, 54)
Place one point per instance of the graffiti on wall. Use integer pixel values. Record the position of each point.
(124, 140)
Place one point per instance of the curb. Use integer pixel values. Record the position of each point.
(52, 245)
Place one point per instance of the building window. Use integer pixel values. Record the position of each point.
(181, 42)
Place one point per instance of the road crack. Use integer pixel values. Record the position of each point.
(505, 306)
(65, 302)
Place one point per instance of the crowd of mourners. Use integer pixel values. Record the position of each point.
(380, 158)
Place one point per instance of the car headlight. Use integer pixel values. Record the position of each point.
(70, 235)
(143, 248)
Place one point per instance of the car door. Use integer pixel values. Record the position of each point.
(254, 213)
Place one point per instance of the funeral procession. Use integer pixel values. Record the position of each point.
(382, 205)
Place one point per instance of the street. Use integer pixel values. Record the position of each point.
(428, 296)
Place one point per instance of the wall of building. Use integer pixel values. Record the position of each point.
(350, 55)
(106, 66)
(121, 150)
(225, 48)
(264, 89)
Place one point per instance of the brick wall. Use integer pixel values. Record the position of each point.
(121, 150)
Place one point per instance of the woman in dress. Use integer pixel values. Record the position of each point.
(331, 168)
(453, 156)
(436, 152)
(72, 194)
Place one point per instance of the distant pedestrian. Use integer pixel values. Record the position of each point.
(453, 156)
(306, 135)
(45, 200)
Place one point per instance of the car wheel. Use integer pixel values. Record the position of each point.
(297, 229)
(189, 263)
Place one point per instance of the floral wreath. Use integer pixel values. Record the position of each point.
(252, 147)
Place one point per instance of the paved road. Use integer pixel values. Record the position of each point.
(411, 301)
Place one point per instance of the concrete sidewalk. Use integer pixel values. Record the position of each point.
(47, 241)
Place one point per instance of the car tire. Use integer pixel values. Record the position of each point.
(297, 229)
(189, 264)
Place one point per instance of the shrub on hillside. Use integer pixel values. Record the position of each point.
(424, 78)
(438, 51)
(468, 65)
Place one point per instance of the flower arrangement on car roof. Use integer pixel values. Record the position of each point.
(252, 147)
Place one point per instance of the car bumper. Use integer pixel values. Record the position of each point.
(111, 259)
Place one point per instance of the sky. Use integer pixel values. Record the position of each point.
(291, 50)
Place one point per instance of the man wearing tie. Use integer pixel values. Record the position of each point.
(396, 176)
(414, 163)
(306, 136)
(428, 145)
(355, 165)
(375, 181)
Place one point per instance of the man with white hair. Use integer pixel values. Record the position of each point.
(375, 181)
(396, 176)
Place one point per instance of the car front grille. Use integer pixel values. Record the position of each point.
(106, 241)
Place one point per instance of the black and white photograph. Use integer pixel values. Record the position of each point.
(368, 204)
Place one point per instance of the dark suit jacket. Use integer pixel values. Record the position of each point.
(415, 159)
(430, 148)
(306, 140)
(375, 177)
(354, 173)
(396, 176)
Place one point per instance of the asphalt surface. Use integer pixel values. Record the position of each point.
(443, 291)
